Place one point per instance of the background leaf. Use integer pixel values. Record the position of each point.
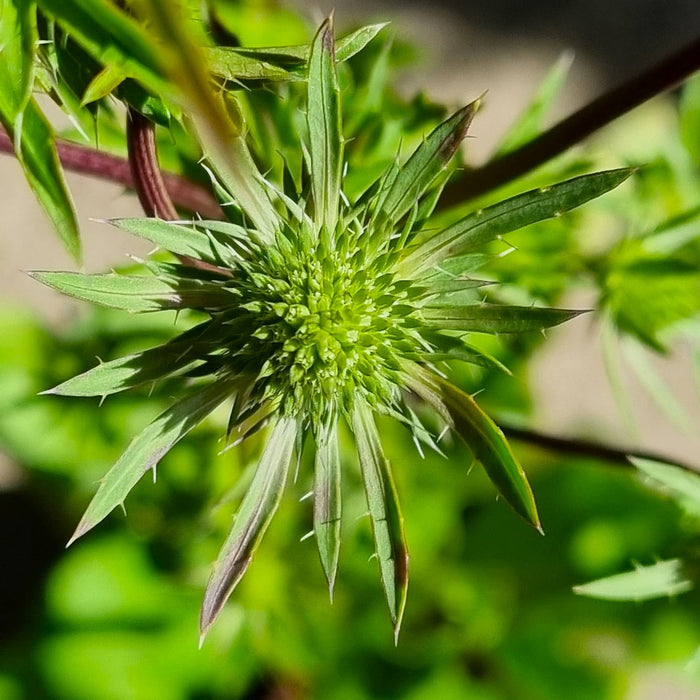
(531, 121)
(665, 578)
(680, 484)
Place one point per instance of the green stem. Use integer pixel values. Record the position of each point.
(575, 128)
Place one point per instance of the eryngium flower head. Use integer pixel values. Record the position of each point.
(323, 311)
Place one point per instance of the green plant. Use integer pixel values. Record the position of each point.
(325, 295)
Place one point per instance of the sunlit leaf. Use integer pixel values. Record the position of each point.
(385, 513)
(147, 449)
(488, 224)
(18, 37)
(103, 84)
(483, 437)
(665, 578)
(253, 517)
(26, 126)
(111, 37)
(323, 118)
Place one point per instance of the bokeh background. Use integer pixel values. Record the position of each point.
(491, 613)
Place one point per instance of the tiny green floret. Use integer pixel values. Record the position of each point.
(340, 312)
(317, 327)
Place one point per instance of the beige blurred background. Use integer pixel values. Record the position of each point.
(460, 61)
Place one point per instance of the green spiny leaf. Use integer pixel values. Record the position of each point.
(132, 370)
(136, 294)
(287, 58)
(464, 352)
(351, 44)
(385, 512)
(147, 449)
(193, 239)
(494, 318)
(253, 517)
(235, 64)
(480, 434)
(327, 503)
(486, 225)
(325, 137)
(406, 184)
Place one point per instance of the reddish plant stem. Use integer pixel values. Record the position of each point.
(148, 180)
(575, 128)
(145, 171)
(82, 159)
(585, 448)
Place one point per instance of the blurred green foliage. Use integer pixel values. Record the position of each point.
(491, 611)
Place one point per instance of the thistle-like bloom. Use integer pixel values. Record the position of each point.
(321, 310)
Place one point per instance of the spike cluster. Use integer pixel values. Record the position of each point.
(317, 324)
(323, 310)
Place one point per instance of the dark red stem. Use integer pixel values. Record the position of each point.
(584, 448)
(82, 159)
(148, 180)
(574, 129)
(145, 171)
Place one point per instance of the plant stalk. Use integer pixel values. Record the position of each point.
(145, 171)
(148, 180)
(185, 194)
(585, 448)
(575, 128)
